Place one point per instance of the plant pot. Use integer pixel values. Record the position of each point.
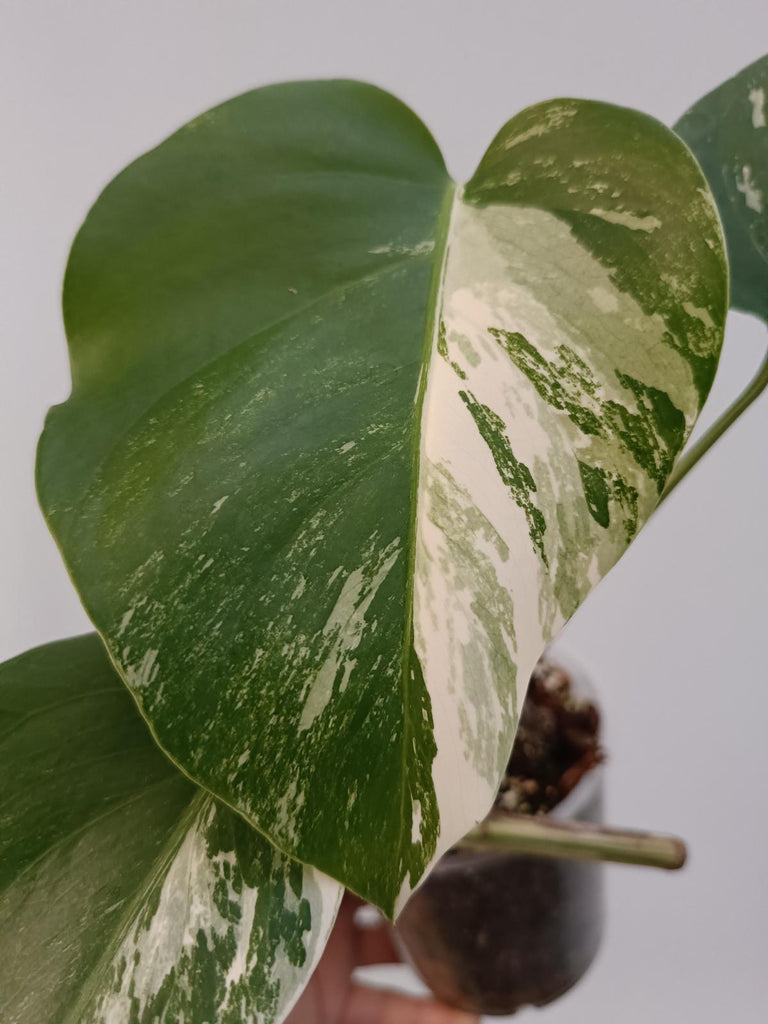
(491, 932)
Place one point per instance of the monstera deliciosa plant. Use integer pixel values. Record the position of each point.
(347, 445)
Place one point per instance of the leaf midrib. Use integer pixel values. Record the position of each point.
(80, 830)
(45, 709)
(451, 198)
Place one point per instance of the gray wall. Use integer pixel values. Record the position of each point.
(674, 637)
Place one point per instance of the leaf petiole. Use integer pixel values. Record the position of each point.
(576, 840)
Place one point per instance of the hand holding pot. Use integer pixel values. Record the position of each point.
(332, 998)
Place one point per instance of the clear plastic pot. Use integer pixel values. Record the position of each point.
(491, 932)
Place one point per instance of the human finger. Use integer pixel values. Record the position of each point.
(375, 946)
(376, 1006)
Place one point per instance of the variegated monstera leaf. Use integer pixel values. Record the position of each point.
(347, 444)
(728, 132)
(127, 894)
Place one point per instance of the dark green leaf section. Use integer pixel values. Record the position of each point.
(126, 894)
(728, 132)
(652, 434)
(442, 351)
(600, 487)
(68, 727)
(513, 473)
(231, 479)
(568, 165)
(244, 218)
(567, 383)
(597, 492)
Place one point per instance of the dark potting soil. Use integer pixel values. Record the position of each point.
(557, 742)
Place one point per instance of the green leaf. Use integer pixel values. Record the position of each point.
(347, 445)
(728, 132)
(127, 894)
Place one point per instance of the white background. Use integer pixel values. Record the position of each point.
(674, 638)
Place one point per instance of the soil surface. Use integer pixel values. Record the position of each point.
(556, 744)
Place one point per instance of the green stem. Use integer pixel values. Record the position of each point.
(689, 459)
(575, 840)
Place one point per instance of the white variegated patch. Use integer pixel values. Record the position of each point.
(757, 99)
(487, 597)
(202, 918)
(343, 630)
